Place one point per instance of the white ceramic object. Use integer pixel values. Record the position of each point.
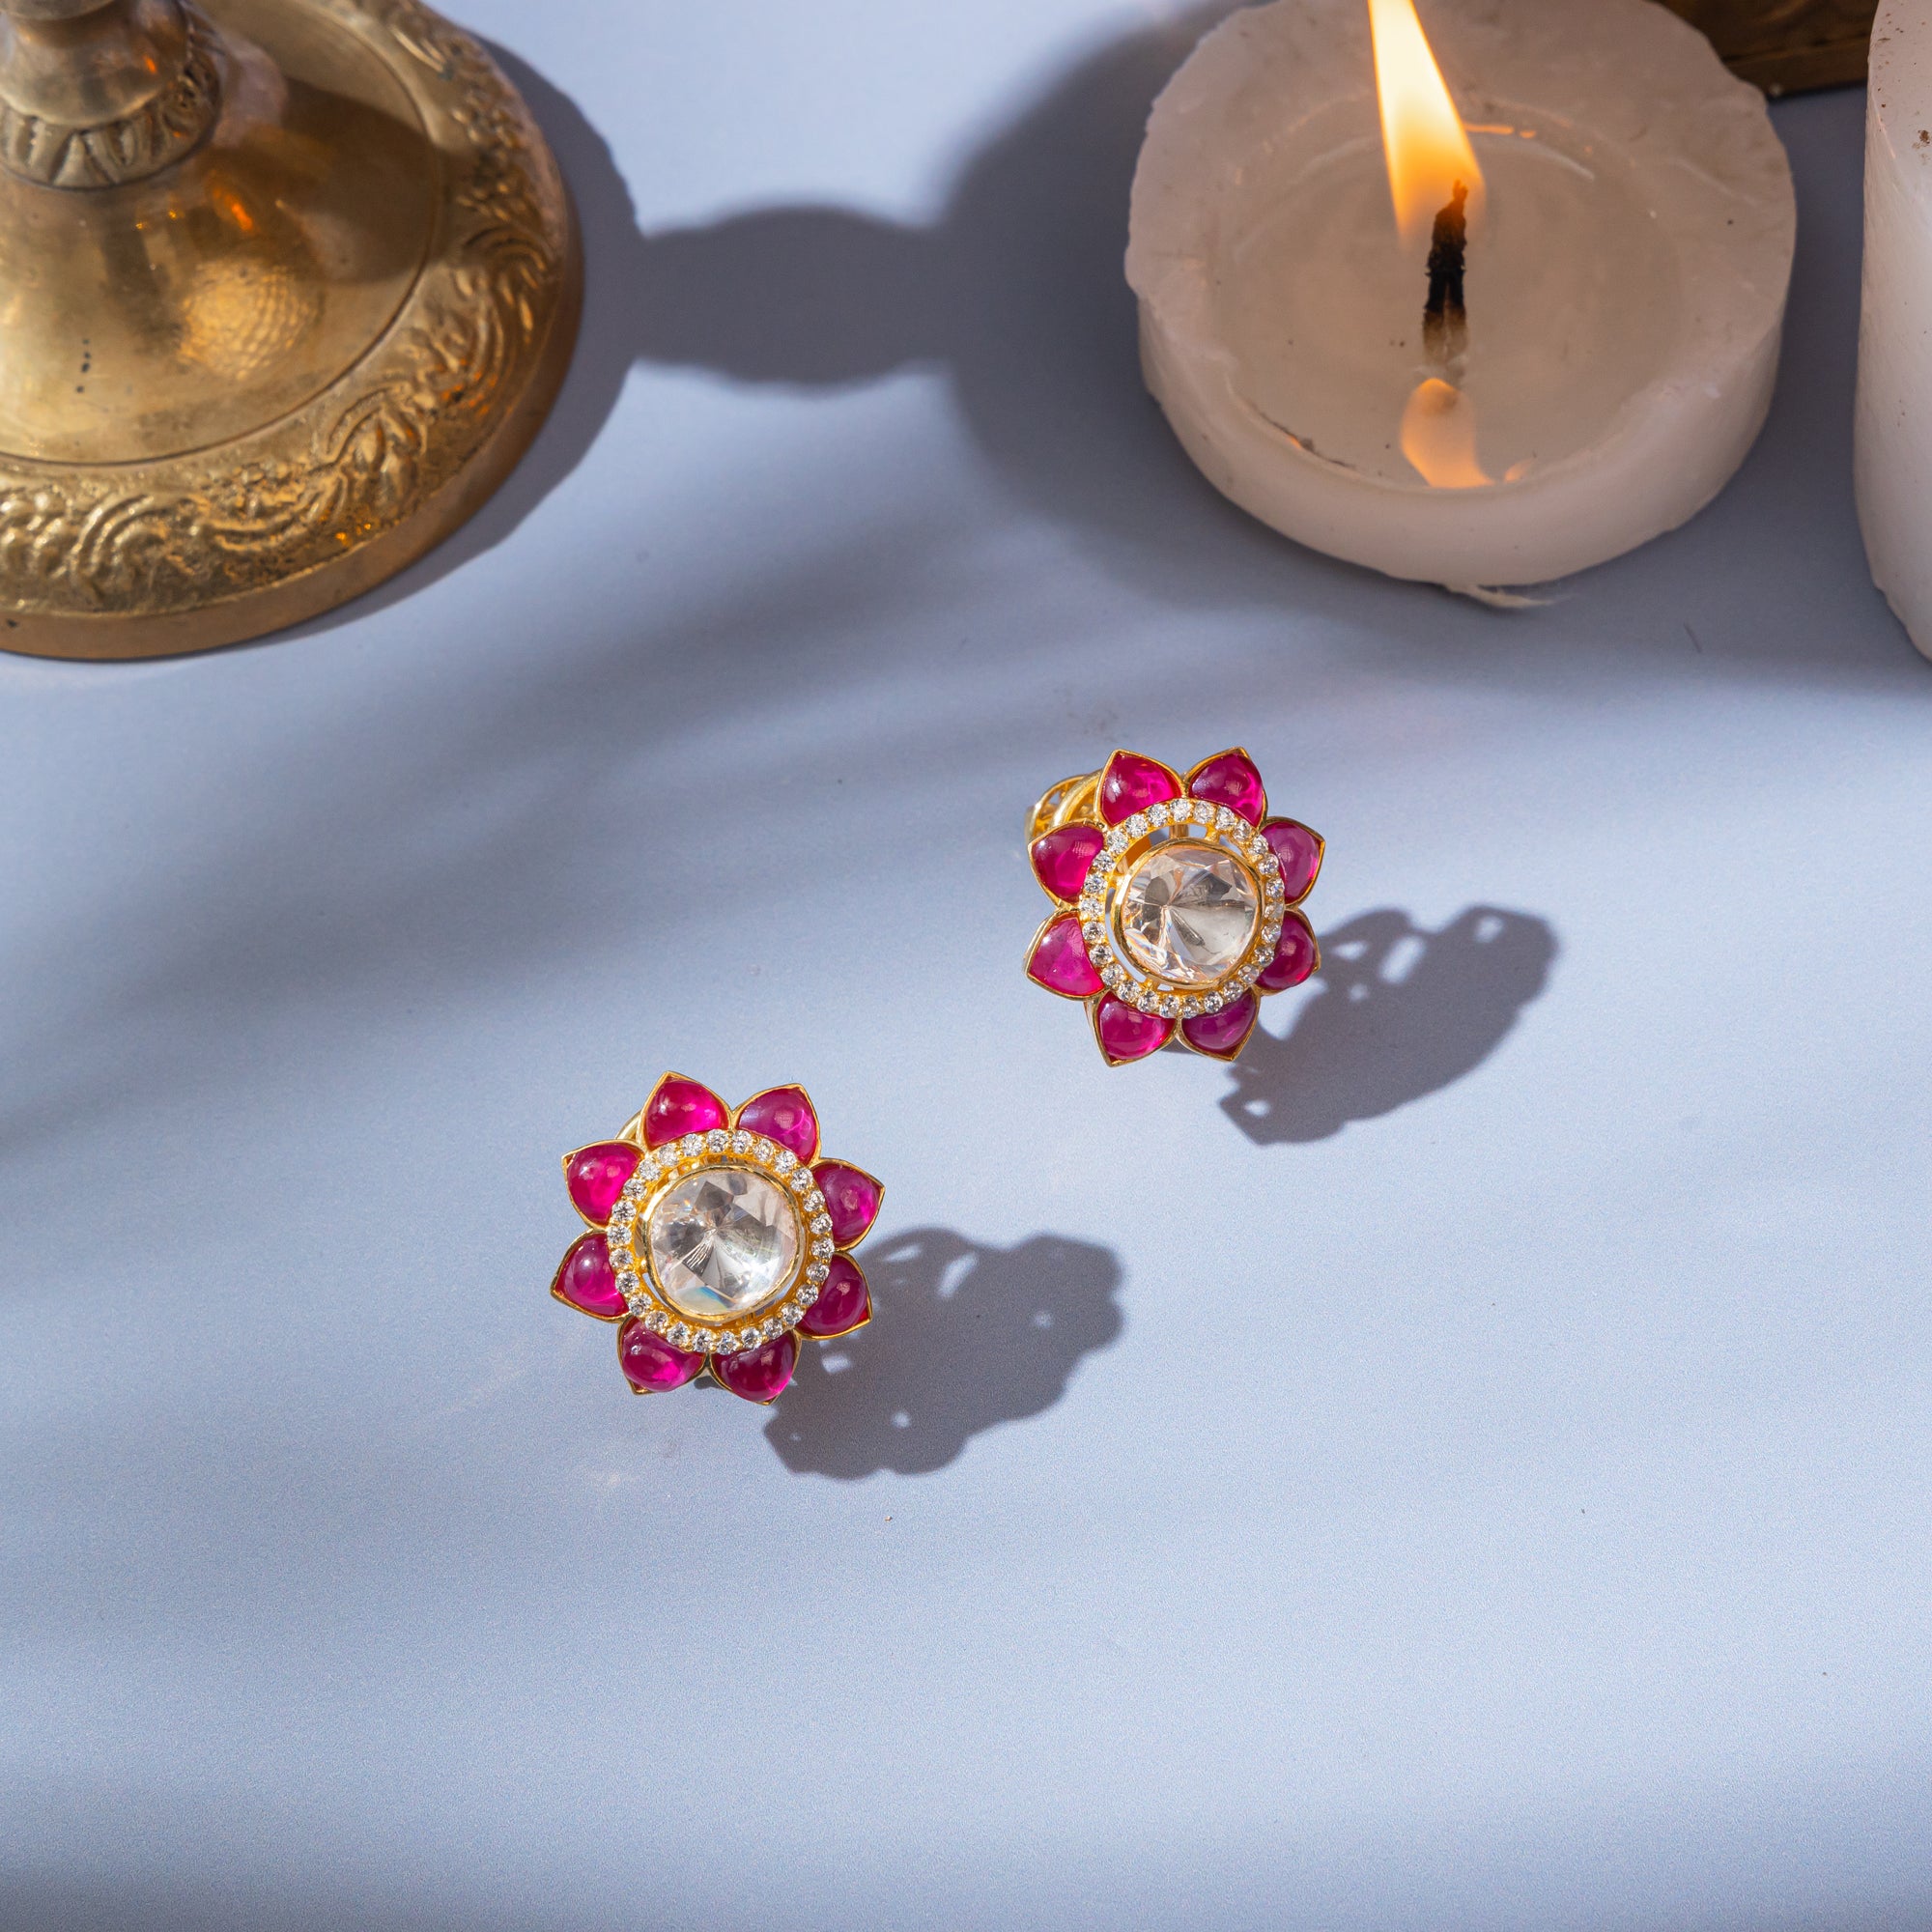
(1895, 412)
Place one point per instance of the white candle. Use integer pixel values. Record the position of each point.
(1629, 253)
(1895, 412)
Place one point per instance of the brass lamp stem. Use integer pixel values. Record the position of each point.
(98, 92)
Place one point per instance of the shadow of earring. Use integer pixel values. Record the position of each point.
(1396, 1013)
(967, 1337)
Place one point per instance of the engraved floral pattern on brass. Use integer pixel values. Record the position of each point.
(252, 384)
(1784, 46)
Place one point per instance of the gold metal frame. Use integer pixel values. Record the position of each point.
(632, 1134)
(161, 543)
(1075, 801)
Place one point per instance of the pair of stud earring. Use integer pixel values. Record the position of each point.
(718, 1238)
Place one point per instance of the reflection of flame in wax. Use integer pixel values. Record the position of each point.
(1422, 134)
(1439, 436)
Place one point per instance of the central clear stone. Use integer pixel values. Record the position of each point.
(723, 1243)
(1188, 914)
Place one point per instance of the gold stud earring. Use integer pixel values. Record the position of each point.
(717, 1239)
(1175, 903)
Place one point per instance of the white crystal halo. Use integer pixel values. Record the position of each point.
(1123, 968)
(639, 1280)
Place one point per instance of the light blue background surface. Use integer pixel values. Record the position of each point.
(1544, 1542)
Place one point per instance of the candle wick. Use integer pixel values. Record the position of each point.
(1445, 320)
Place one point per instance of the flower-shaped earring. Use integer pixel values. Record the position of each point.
(717, 1239)
(1174, 902)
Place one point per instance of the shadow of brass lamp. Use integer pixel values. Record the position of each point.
(286, 288)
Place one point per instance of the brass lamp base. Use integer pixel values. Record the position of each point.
(286, 288)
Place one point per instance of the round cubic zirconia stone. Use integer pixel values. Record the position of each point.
(724, 1242)
(1188, 913)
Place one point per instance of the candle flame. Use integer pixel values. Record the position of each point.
(1439, 436)
(1427, 145)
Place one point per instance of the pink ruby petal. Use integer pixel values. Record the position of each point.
(761, 1374)
(586, 1280)
(1230, 780)
(680, 1107)
(1059, 961)
(1299, 851)
(1126, 1032)
(1062, 859)
(852, 1198)
(596, 1176)
(785, 1115)
(650, 1364)
(1296, 956)
(1221, 1035)
(845, 1303)
(1131, 783)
